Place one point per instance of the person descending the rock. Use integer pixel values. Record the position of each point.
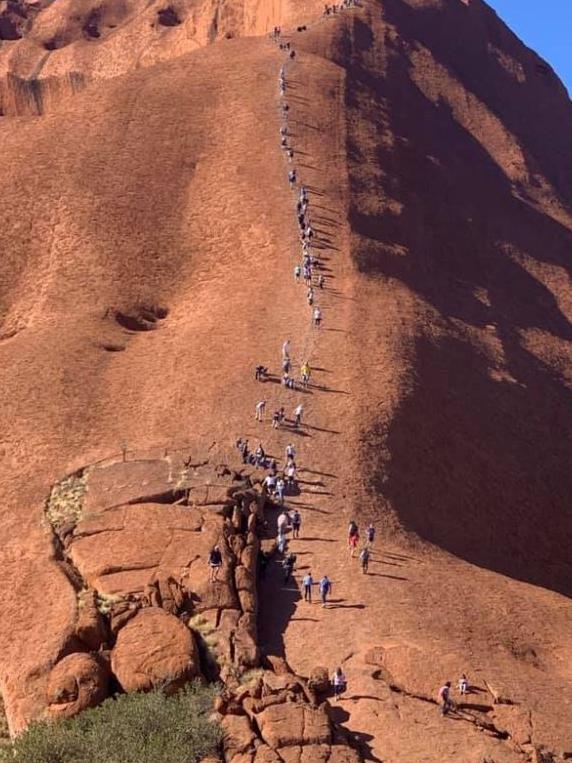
(296, 520)
(444, 698)
(260, 408)
(364, 559)
(288, 566)
(317, 317)
(339, 682)
(298, 411)
(464, 684)
(325, 589)
(370, 534)
(215, 563)
(307, 583)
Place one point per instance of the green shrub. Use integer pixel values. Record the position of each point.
(134, 728)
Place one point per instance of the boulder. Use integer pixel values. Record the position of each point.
(248, 600)
(154, 648)
(90, 627)
(238, 736)
(243, 579)
(278, 665)
(249, 559)
(265, 754)
(343, 754)
(294, 724)
(75, 683)
(319, 680)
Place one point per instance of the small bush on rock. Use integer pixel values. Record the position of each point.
(134, 728)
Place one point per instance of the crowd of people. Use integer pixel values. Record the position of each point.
(279, 483)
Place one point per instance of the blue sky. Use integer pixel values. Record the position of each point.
(546, 27)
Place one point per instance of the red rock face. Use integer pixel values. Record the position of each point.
(148, 238)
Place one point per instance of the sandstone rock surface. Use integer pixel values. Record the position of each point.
(154, 648)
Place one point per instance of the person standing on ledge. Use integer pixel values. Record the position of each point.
(215, 563)
(325, 589)
(307, 584)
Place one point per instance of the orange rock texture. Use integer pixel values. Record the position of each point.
(148, 241)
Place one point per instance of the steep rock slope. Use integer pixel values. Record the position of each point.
(434, 148)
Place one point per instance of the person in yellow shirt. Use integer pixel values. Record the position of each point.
(305, 373)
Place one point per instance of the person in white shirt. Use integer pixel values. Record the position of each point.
(298, 410)
(260, 408)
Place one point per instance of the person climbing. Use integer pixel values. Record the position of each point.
(305, 373)
(290, 473)
(260, 373)
(290, 153)
(364, 559)
(260, 408)
(281, 541)
(464, 684)
(321, 281)
(339, 682)
(276, 420)
(280, 488)
(352, 528)
(286, 365)
(444, 698)
(281, 415)
(287, 381)
(283, 521)
(244, 451)
(317, 317)
(307, 583)
(296, 520)
(370, 534)
(286, 349)
(292, 178)
(292, 54)
(297, 273)
(259, 455)
(353, 542)
(310, 296)
(270, 483)
(325, 589)
(273, 467)
(298, 410)
(215, 563)
(290, 452)
(288, 566)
